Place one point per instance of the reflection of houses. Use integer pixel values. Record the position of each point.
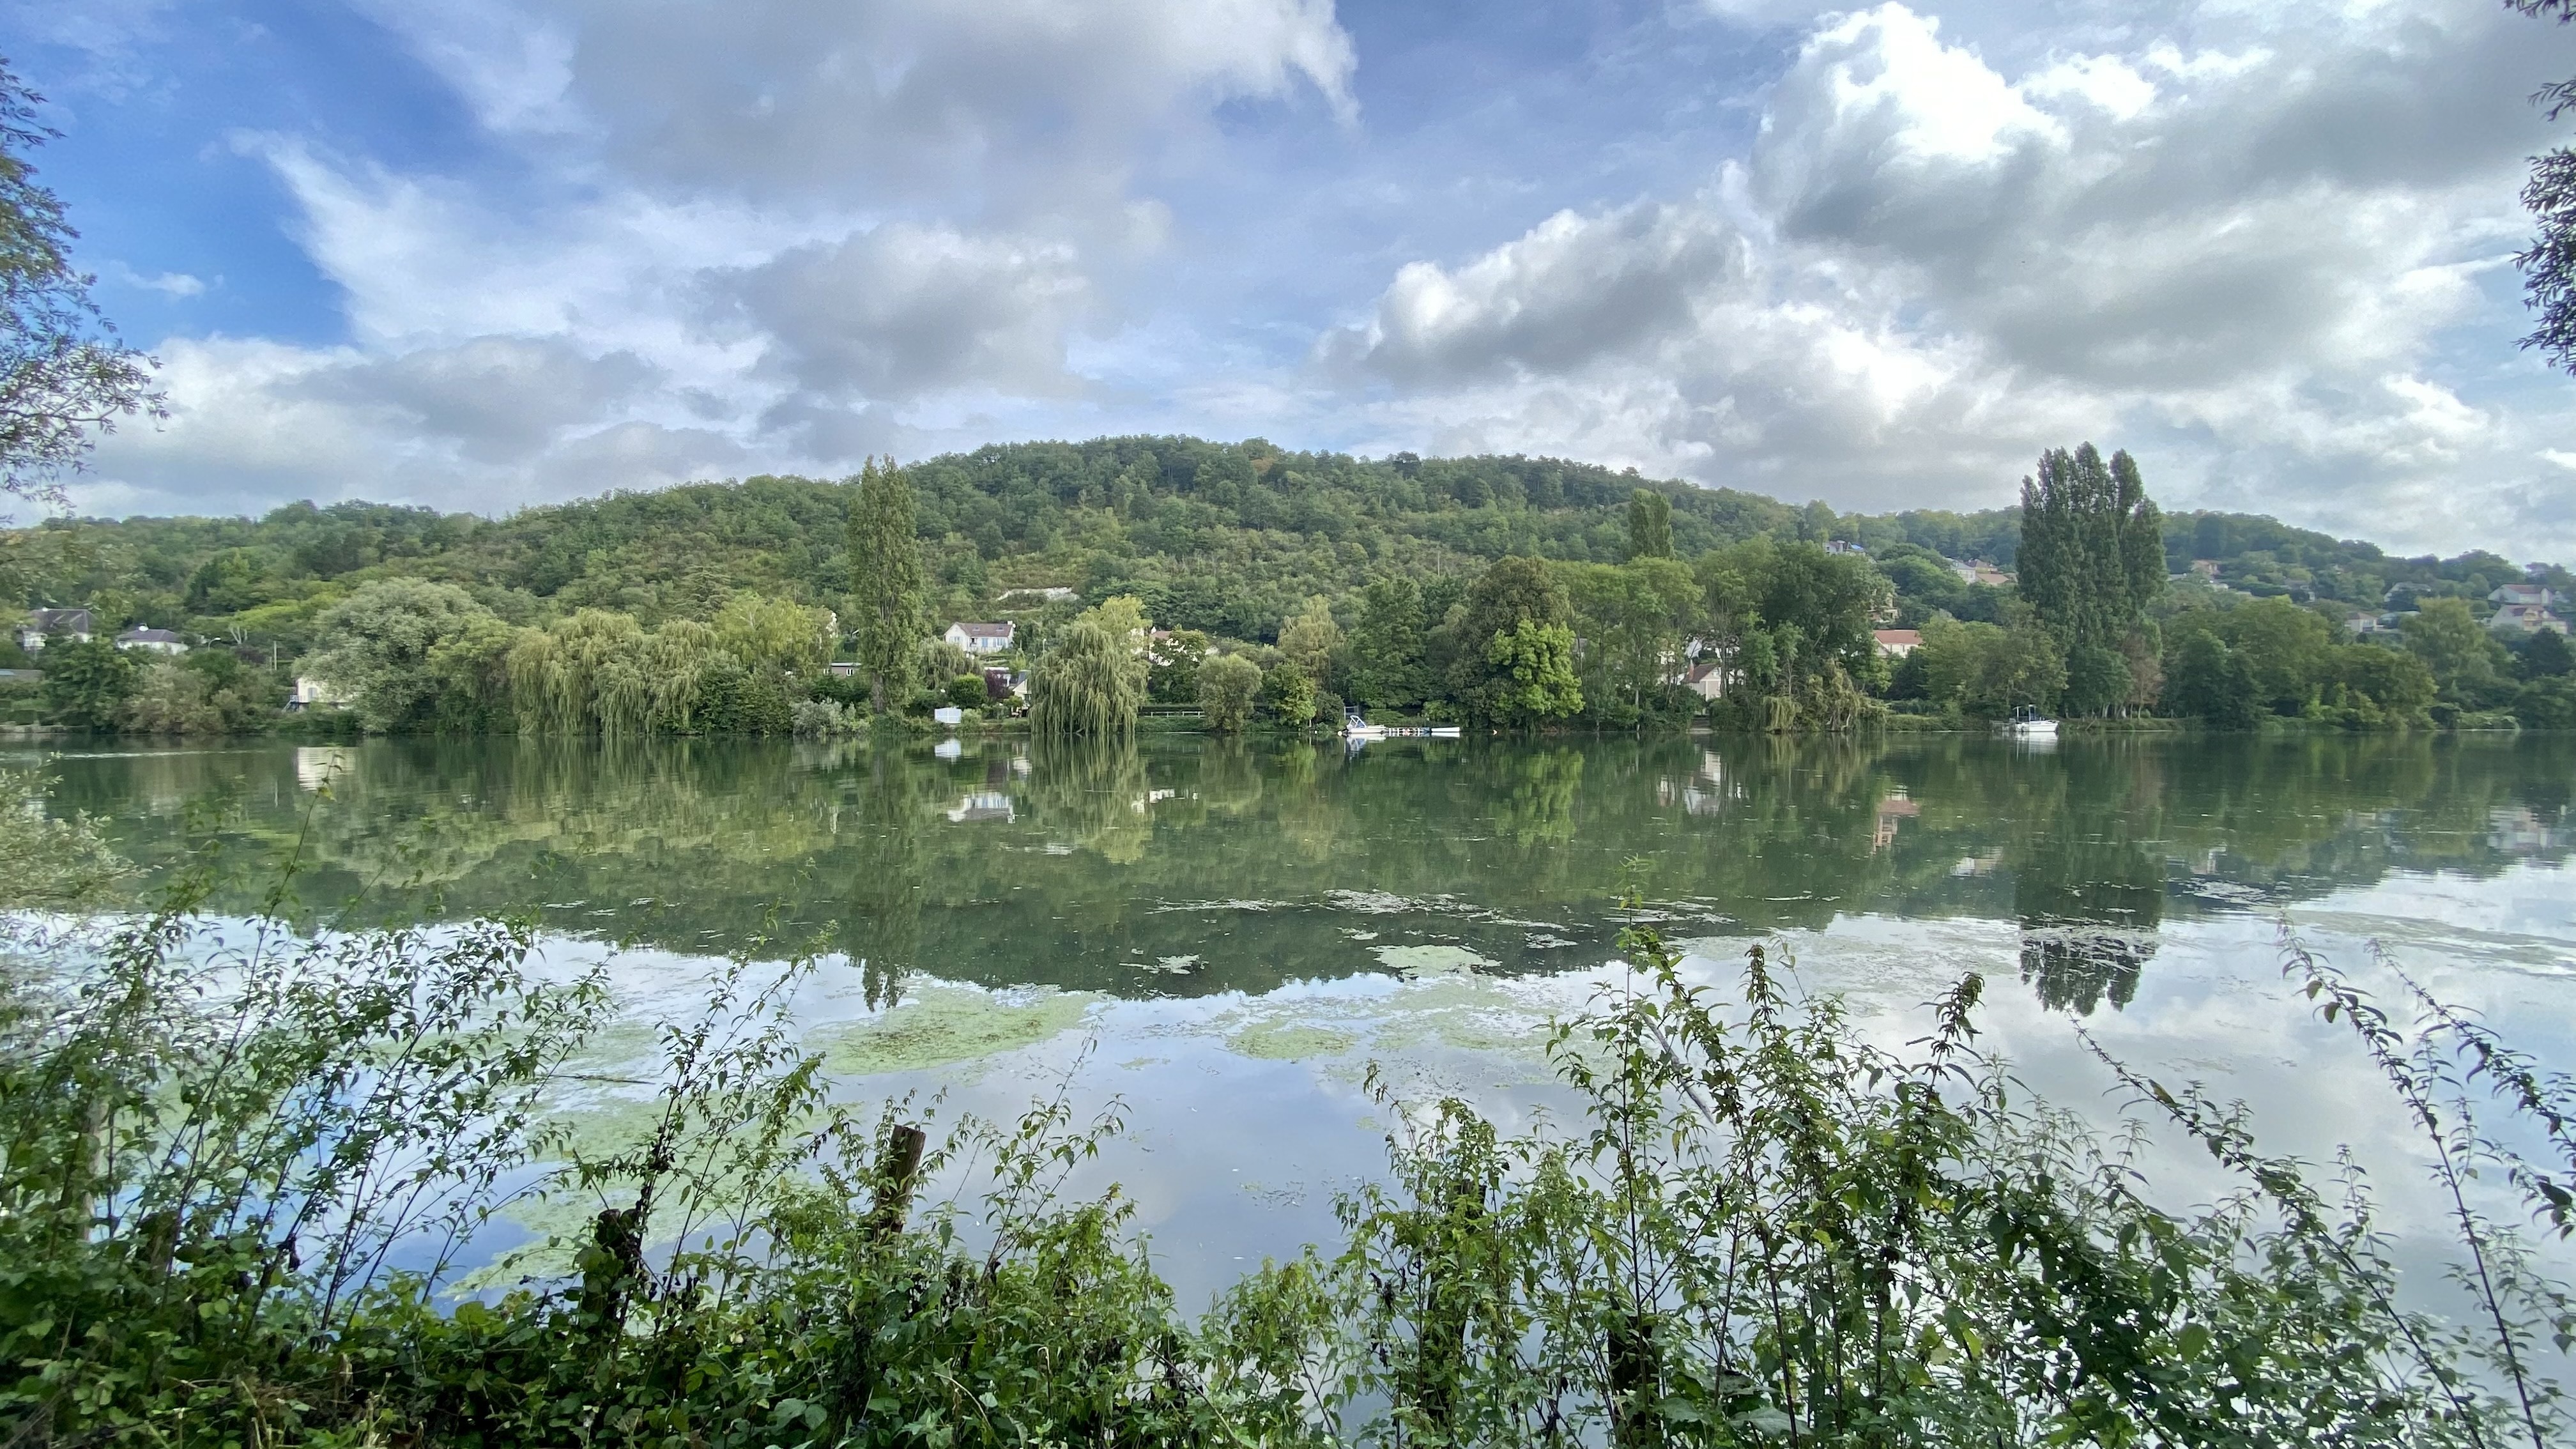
(1704, 793)
(45, 625)
(1986, 864)
(1893, 807)
(320, 765)
(980, 638)
(983, 805)
(2518, 830)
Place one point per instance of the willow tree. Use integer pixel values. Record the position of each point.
(582, 673)
(1092, 682)
(885, 579)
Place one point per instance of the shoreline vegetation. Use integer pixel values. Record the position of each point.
(1243, 587)
(264, 1186)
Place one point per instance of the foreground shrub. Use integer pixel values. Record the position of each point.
(241, 1168)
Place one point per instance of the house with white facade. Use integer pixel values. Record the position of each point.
(2526, 607)
(1897, 643)
(152, 641)
(44, 625)
(981, 638)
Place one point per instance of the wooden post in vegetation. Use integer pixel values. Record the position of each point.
(898, 1172)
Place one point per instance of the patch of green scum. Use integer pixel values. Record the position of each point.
(1462, 1012)
(1289, 1041)
(1425, 961)
(938, 1025)
(617, 1044)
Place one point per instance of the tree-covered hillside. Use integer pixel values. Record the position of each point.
(1228, 538)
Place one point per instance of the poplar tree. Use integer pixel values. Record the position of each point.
(1650, 524)
(885, 579)
(2091, 560)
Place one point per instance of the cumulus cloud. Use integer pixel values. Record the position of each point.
(758, 235)
(901, 310)
(2243, 249)
(2268, 247)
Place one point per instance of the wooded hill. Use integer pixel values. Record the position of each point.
(1230, 538)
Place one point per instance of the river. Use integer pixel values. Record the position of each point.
(1225, 937)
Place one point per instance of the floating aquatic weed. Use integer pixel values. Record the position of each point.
(938, 1025)
(1290, 1041)
(1417, 962)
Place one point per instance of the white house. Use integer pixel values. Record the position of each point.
(1897, 643)
(151, 641)
(980, 638)
(311, 693)
(48, 624)
(2529, 618)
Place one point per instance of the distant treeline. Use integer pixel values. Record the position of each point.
(1241, 542)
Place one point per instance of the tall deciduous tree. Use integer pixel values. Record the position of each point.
(1650, 524)
(2092, 556)
(885, 580)
(1496, 651)
(1387, 669)
(64, 378)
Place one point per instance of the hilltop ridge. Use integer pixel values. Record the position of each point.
(1227, 537)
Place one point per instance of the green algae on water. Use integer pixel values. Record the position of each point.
(940, 1025)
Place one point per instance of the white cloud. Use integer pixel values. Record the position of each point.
(2245, 259)
(168, 284)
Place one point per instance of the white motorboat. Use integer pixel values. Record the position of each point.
(2028, 723)
(1356, 726)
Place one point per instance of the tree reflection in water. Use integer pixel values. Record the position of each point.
(1092, 865)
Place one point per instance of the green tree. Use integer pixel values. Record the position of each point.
(469, 677)
(1534, 663)
(2210, 682)
(1650, 525)
(1172, 666)
(1312, 639)
(2091, 559)
(1226, 687)
(2544, 655)
(64, 378)
(86, 682)
(2097, 680)
(377, 643)
(1387, 650)
(2466, 660)
(1511, 593)
(776, 636)
(1288, 693)
(885, 580)
(2284, 648)
(1092, 680)
(1634, 620)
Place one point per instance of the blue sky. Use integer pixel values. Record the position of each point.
(484, 253)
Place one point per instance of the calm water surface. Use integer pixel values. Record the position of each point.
(1225, 936)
